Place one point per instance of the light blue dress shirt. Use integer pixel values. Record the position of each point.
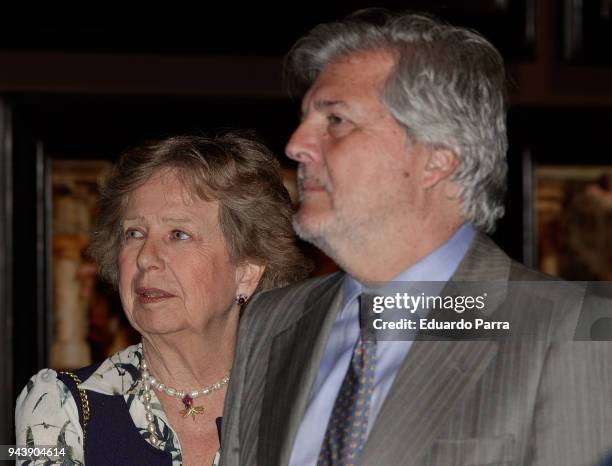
(438, 266)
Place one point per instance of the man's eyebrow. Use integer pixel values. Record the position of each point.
(326, 104)
(322, 105)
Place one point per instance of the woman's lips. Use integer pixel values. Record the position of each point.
(152, 295)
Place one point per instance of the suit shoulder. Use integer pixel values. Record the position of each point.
(297, 289)
(548, 283)
(579, 310)
(282, 304)
(520, 272)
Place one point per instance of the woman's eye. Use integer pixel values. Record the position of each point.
(178, 234)
(132, 234)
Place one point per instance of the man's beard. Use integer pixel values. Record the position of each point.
(339, 231)
(329, 235)
(315, 236)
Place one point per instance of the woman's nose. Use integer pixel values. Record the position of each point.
(149, 256)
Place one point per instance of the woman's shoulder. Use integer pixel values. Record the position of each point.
(47, 414)
(42, 391)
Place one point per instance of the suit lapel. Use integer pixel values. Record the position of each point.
(436, 375)
(294, 362)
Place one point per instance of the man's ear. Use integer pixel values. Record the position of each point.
(441, 164)
(248, 275)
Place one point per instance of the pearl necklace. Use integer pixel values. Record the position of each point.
(187, 398)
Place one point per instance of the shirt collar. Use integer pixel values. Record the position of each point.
(440, 265)
(118, 374)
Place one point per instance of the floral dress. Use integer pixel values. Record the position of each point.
(47, 415)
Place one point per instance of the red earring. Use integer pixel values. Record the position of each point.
(242, 299)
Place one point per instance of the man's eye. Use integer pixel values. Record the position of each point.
(334, 119)
(178, 234)
(133, 234)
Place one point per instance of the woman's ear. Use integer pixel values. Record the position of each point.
(248, 276)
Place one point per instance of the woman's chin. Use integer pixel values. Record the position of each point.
(150, 327)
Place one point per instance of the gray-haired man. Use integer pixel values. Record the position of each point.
(401, 151)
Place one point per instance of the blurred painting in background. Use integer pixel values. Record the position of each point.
(574, 221)
(88, 323)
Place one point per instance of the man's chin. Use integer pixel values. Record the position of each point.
(304, 229)
(315, 234)
(308, 227)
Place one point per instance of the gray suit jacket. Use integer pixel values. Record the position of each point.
(545, 400)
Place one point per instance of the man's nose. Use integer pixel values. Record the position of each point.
(304, 144)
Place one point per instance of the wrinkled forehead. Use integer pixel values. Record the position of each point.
(363, 72)
(179, 181)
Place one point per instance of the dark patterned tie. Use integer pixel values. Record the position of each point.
(348, 424)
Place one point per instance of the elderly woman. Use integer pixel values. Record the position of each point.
(189, 229)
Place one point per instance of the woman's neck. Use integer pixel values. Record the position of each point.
(189, 361)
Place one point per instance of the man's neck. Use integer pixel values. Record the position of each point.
(385, 257)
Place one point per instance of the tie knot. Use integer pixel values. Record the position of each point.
(366, 317)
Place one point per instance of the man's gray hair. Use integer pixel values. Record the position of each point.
(448, 89)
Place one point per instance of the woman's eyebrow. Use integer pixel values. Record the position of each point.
(132, 219)
(176, 220)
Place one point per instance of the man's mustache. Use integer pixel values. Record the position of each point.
(310, 179)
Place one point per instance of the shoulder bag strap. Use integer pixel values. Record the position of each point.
(84, 411)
